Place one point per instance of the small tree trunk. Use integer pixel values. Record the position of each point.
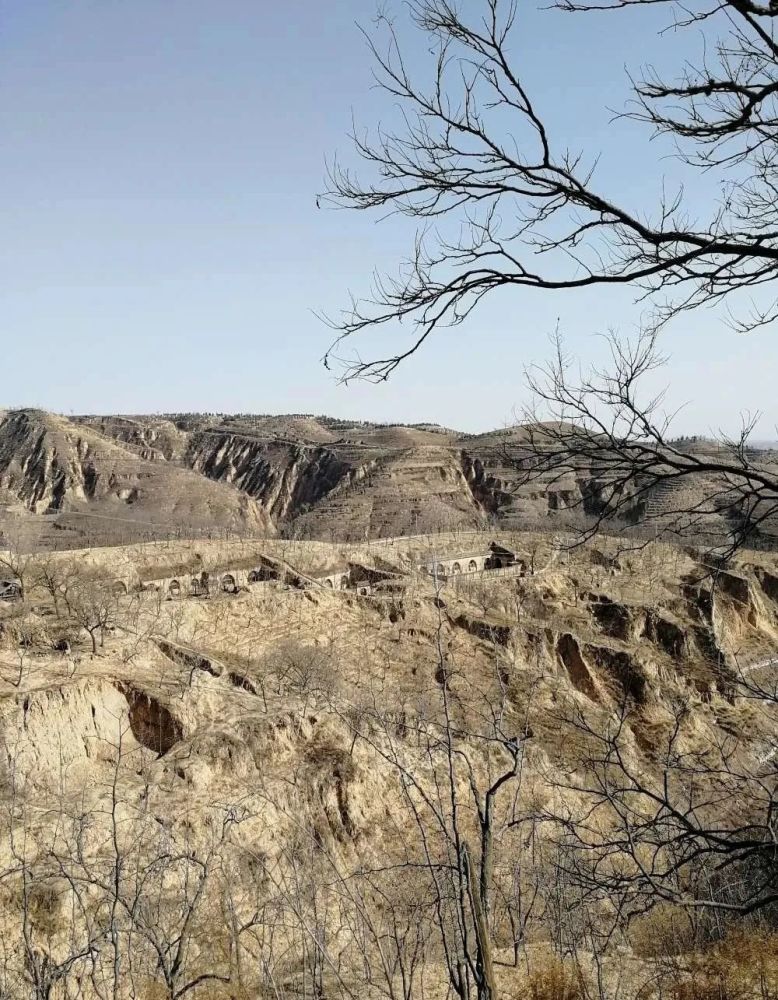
(487, 987)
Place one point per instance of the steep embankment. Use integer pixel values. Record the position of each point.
(251, 744)
(284, 476)
(52, 466)
(151, 438)
(491, 465)
(408, 491)
(226, 684)
(388, 482)
(43, 466)
(340, 479)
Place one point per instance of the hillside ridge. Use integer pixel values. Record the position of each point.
(112, 479)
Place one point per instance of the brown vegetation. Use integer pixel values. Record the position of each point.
(305, 793)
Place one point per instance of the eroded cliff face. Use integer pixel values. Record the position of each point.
(215, 705)
(325, 478)
(344, 489)
(154, 440)
(487, 483)
(297, 716)
(53, 466)
(374, 479)
(498, 488)
(286, 478)
(42, 465)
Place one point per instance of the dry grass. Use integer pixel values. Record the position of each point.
(662, 932)
(553, 978)
(744, 966)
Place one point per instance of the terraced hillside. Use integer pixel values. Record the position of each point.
(94, 480)
(324, 478)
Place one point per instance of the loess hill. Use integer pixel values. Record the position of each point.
(109, 479)
(263, 747)
(268, 685)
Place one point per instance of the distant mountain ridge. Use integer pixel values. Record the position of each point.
(98, 479)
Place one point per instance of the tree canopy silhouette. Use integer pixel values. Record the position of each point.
(501, 202)
(474, 146)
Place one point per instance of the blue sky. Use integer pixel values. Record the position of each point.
(162, 250)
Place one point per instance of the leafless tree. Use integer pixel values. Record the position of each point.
(503, 202)
(55, 576)
(43, 959)
(460, 792)
(602, 432)
(109, 898)
(93, 604)
(18, 563)
(683, 823)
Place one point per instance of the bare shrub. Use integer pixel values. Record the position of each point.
(553, 978)
(93, 605)
(301, 668)
(665, 930)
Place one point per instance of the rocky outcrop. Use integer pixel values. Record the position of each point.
(581, 676)
(620, 672)
(61, 731)
(41, 465)
(154, 440)
(613, 619)
(481, 628)
(671, 638)
(486, 483)
(189, 659)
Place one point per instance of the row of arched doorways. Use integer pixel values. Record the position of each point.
(199, 586)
